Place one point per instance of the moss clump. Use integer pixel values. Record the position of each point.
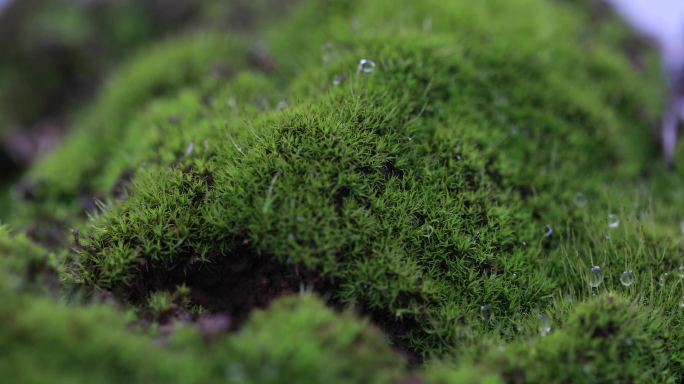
(65, 182)
(411, 190)
(24, 266)
(607, 339)
(298, 339)
(451, 194)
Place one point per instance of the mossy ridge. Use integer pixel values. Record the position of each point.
(413, 83)
(58, 182)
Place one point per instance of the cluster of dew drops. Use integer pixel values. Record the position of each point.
(595, 276)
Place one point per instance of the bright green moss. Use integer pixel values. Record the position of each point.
(438, 373)
(605, 340)
(419, 194)
(420, 191)
(299, 340)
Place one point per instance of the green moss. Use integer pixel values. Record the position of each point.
(25, 266)
(423, 194)
(419, 189)
(65, 177)
(605, 340)
(300, 340)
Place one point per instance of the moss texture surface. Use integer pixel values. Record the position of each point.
(443, 174)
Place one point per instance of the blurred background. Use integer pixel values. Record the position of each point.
(55, 53)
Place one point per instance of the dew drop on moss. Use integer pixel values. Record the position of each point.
(544, 326)
(328, 53)
(485, 312)
(627, 278)
(595, 278)
(427, 25)
(613, 221)
(663, 279)
(366, 66)
(580, 200)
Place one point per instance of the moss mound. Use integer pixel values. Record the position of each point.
(450, 171)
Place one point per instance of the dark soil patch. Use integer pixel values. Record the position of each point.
(234, 284)
(231, 287)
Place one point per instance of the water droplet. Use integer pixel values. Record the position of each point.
(337, 80)
(428, 230)
(595, 277)
(500, 99)
(548, 231)
(485, 311)
(613, 221)
(627, 278)
(427, 25)
(580, 200)
(328, 53)
(544, 326)
(282, 105)
(663, 279)
(189, 150)
(366, 66)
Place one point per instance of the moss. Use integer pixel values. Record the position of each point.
(300, 340)
(607, 339)
(441, 195)
(297, 339)
(25, 266)
(411, 190)
(63, 181)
